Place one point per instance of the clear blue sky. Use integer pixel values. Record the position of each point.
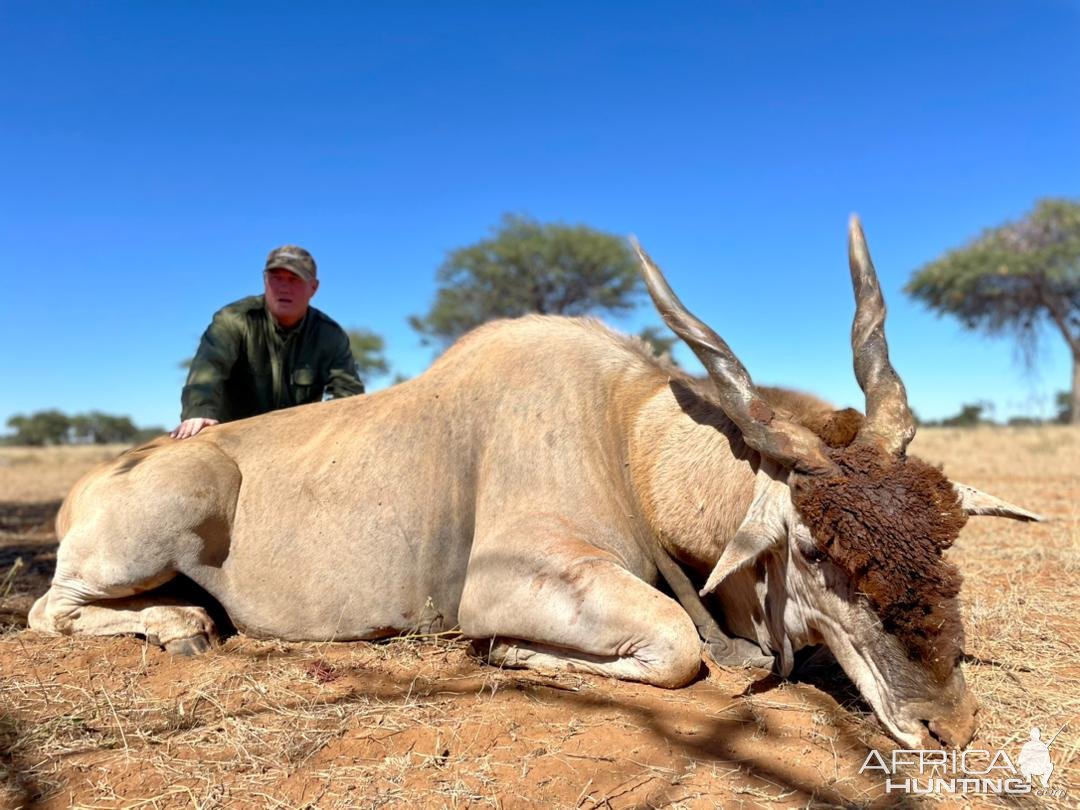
(151, 154)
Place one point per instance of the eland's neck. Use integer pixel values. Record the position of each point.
(693, 474)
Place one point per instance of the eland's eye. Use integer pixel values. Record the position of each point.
(811, 552)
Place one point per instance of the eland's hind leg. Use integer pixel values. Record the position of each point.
(132, 527)
(96, 592)
(180, 628)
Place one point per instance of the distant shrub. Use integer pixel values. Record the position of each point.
(53, 427)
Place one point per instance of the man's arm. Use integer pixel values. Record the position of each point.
(343, 379)
(203, 398)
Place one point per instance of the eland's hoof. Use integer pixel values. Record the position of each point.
(737, 652)
(193, 645)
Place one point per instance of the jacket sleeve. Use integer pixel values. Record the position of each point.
(342, 380)
(204, 392)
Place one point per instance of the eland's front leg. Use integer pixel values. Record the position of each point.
(565, 605)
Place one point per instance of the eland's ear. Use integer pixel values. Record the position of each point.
(749, 542)
(762, 528)
(977, 502)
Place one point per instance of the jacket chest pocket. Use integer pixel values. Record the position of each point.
(303, 380)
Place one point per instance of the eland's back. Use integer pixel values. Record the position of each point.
(354, 518)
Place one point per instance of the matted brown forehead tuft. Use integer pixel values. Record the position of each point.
(836, 428)
(885, 521)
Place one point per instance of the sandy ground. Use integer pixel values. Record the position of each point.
(420, 722)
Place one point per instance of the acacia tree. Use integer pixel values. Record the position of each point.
(527, 266)
(40, 429)
(1014, 279)
(103, 428)
(368, 349)
(662, 341)
(52, 427)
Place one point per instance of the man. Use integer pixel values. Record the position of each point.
(268, 351)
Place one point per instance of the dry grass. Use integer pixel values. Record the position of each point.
(1022, 588)
(47, 473)
(404, 724)
(418, 723)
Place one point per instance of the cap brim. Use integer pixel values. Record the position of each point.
(304, 274)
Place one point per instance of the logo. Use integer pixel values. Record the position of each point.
(1035, 758)
(973, 771)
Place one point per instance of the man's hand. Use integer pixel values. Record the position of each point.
(189, 427)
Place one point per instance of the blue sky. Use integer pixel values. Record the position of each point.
(153, 153)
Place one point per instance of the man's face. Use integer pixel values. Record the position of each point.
(287, 295)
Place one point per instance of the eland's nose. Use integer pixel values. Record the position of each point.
(955, 727)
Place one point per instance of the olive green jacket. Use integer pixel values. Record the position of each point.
(247, 364)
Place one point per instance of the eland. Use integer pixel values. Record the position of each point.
(533, 488)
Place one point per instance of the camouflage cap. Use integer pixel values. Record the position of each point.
(294, 259)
